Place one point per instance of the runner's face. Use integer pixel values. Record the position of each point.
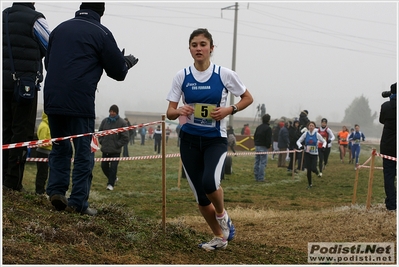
(311, 127)
(200, 48)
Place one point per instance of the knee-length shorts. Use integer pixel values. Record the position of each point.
(203, 162)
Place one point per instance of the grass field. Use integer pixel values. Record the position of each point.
(274, 220)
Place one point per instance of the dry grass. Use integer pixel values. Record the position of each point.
(295, 229)
(274, 220)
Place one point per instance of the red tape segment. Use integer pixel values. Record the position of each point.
(37, 143)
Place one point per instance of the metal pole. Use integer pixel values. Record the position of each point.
(233, 67)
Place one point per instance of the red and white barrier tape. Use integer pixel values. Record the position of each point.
(36, 143)
(175, 155)
(385, 156)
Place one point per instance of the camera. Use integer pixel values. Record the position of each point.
(386, 94)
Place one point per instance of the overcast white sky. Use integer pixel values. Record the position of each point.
(291, 56)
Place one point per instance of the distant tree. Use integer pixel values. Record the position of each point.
(359, 112)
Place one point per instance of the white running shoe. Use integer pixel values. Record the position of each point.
(110, 187)
(227, 226)
(320, 174)
(215, 243)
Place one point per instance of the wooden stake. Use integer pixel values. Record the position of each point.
(293, 165)
(179, 173)
(371, 177)
(355, 186)
(163, 174)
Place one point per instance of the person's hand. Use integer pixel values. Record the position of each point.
(185, 110)
(220, 112)
(130, 60)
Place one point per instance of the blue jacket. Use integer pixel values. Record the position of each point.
(79, 50)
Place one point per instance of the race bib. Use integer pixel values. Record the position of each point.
(311, 149)
(357, 141)
(202, 115)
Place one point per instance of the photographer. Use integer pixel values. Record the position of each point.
(388, 146)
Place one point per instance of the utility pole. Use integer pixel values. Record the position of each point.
(233, 67)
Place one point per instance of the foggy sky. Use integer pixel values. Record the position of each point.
(291, 56)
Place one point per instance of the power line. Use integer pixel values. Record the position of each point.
(302, 41)
(331, 15)
(299, 24)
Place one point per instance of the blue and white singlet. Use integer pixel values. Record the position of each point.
(205, 91)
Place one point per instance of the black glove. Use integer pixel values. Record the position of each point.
(130, 60)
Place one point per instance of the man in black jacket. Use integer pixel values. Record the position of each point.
(263, 140)
(388, 147)
(29, 33)
(79, 50)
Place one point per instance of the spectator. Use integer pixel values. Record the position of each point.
(134, 134)
(283, 144)
(388, 147)
(43, 133)
(168, 132)
(231, 138)
(328, 135)
(143, 132)
(294, 134)
(247, 131)
(111, 145)
(150, 132)
(79, 50)
(343, 142)
(356, 137)
(28, 33)
(203, 144)
(275, 132)
(310, 139)
(157, 139)
(262, 140)
(262, 110)
(303, 120)
(125, 152)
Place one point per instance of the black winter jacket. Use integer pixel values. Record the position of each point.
(389, 136)
(79, 50)
(113, 143)
(294, 135)
(263, 135)
(26, 49)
